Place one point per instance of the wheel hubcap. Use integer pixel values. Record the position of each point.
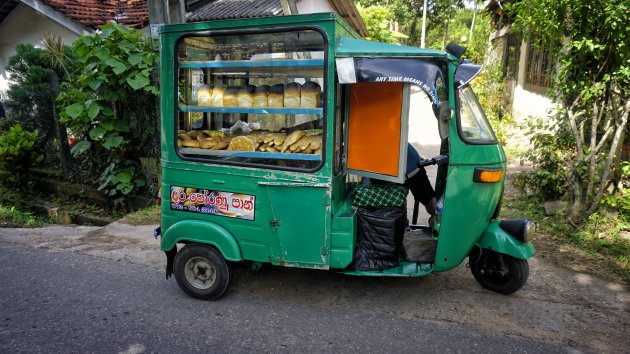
(200, 273)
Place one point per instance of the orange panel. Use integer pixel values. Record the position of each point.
(374, 127)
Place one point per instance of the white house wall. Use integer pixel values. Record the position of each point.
(527, 103)
(312, 7)
(25, 25)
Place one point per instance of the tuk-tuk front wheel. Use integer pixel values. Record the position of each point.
(500, 273)
(202, 272)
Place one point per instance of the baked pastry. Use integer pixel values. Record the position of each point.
(276, 96)
(243, 143)
(311, 95)
(205, 142)
(193, 134)
(245, 96)
(190, 143)
(221, 145)
(291, 139)
(217, 95)
(260, 96)
(215, 134)
(204, 96)
(274, 139)
(229, 97)
(292, 94)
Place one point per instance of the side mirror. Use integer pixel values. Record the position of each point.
(444, 116)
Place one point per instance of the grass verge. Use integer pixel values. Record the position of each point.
(146, 216)
(599, 245)
(11, 216)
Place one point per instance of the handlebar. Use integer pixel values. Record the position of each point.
(438, 160)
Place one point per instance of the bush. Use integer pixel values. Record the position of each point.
(18, 152)
(550, 155)
(109, 107)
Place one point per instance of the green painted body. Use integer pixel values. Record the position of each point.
(306, 219)
(494, 238)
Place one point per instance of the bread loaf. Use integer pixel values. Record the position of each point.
(260, 96)
(245, 96)
(276, 96)
(204, 96)
(310, 95)
(217, 95)
(229, 97)
(292, 94)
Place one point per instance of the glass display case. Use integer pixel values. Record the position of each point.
(252, 98)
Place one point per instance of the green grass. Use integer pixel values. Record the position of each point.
(10, 216)
(600, 237)
(146, 216)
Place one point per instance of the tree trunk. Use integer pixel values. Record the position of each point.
(65, 157)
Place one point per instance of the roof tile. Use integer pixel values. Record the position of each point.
(96, 13)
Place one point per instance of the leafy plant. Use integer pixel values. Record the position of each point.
(377, 20)
(18, 152)
(591, 87)
(106, 105)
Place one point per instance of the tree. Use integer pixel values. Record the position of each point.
(591, 87)
(32, 93)
(109, 103)
(377, 19)
(408, 14)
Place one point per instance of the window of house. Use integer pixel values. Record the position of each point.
(539, 66)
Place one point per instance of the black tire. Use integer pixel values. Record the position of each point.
(202, 272)
(500, 273)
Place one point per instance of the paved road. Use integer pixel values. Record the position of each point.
(55, 302)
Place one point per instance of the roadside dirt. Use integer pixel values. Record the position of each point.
(555, 251)
(559, 306)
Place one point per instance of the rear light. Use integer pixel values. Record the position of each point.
(159, 197)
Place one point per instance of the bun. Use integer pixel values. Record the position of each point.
(190, 143)
(261, 96)
(245, 96)
(276, 96)
(242, 143)
(204, 96)
(311, 95)
(229, 97)
(205, 142)
(217, 95)
(292, 94)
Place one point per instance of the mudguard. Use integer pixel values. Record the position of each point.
(202, 232)
(494, 238)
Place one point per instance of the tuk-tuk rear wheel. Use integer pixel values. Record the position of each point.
(202, 272)
(500, 273)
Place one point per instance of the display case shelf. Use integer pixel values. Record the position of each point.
(251, 110)
(226, 154)
(245, 64)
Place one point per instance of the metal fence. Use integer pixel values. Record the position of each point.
(37, 112)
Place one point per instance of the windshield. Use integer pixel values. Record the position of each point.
(474, 126)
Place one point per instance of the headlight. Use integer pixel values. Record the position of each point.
(521, 229)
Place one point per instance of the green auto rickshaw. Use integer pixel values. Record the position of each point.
(267, 126)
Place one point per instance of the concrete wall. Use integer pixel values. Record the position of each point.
(25, 25)
(526, 102)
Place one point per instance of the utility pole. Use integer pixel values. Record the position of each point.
(424, 25)
(470, 37)
(166, 11)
